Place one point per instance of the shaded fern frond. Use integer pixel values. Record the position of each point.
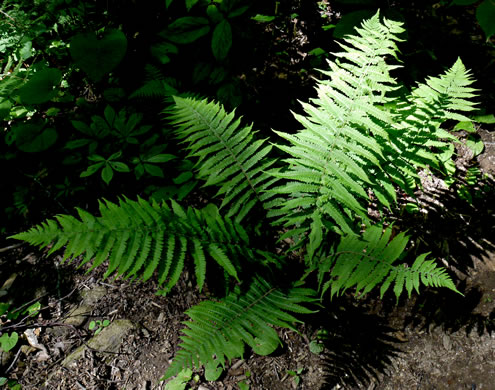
(139, 238)
(218, 331)
(418, 139)
(368, 261)
(156, 85)
(227, 154)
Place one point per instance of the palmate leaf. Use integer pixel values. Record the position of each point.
(219, 331)
(139, 237)
(369, 261)
(227, 154)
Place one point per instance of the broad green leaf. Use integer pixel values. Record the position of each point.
(92, 169)
(214, 14)
(180, 381)
(186, 29)
(238, 11)
(34, 138)
(190, 4)
(107, 173)
(475, 145)
(221, 40)
(98, 57)
(263, 18)
(153, 170)
(119, 166)
(41, 87)
(213, 371)
(484, 118)
(485, 14)
(160, 158)
(8, 341)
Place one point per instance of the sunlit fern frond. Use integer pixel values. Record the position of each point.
(369, 261)
(139, 237)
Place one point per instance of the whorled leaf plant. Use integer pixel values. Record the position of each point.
(360, 142)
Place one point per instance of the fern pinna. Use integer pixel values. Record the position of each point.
(361, 141)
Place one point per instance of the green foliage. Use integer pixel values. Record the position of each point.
(140, 237)
(485, 14)
(97, 57)
(219, 330)
(98, 325)
(368, 261)
(361, 142)
(227, 155)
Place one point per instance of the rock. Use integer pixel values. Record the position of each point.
(5, 357)
(89, 298)
(108, 340)
(78, 315)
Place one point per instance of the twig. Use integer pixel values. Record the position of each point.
(13, 361)
(8, 248)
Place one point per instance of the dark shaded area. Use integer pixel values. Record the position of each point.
(358, 345)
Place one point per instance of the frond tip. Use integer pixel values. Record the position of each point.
(228, 155)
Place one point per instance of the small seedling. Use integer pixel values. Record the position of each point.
(296, 375)
(98, 325)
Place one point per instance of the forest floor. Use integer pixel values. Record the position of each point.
(435, 340)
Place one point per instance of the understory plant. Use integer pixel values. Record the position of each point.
(290, 221)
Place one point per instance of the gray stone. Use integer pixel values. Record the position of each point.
(108, 340)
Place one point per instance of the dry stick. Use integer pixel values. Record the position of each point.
(8, 248)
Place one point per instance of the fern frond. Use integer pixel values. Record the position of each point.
(368, 261)
(429, 106)
(218, 331)
(156, 85)
(138, 238)
(228, 155)
(338, 154)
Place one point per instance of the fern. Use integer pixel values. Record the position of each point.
(140, 237)
(339, 152)
(219, 330)
(368, 261)
(359, 142)
(227, 155)
(353, 146)
(156, 86)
